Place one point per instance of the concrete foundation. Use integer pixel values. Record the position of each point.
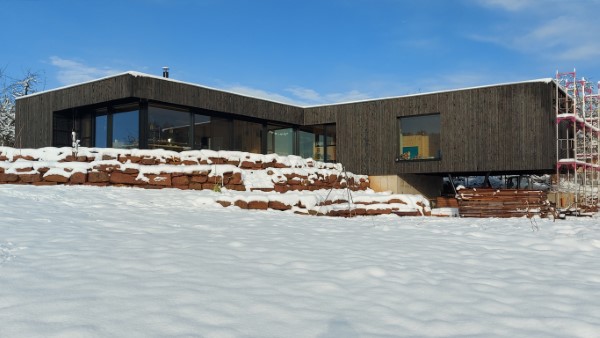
(428, 186)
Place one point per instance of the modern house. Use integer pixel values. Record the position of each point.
(406, 144)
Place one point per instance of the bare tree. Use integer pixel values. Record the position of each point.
(12, 89)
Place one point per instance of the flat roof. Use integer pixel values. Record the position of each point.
(139, 74)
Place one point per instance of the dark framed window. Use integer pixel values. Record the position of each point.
(125, 127)
(280, 140)
(169, 128)
(101, 128)
(318, 142)
(419, 137)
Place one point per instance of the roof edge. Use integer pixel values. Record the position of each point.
(139, 74)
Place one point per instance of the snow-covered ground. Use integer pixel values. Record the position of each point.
(118, 262)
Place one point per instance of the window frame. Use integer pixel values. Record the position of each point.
(401, 155)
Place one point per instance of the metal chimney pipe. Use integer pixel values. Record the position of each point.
(165, 72)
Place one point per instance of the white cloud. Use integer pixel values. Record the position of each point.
(558, 30)
(312, 97)
(260, 94)
(71, 71)
(299, 96)
(509, 5)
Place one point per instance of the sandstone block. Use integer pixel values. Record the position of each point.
(247, 165)
(258, 205)
(130, 171)
(21, 157)
(217, 160)
(200, 178)
(224, 203)
(276, 205)
(78, 178)
(241, 204)
(163, 180)
(196, 186)
(121, 178)
(106, 167)
(98, 177)
(24, 170)
(44, 183)
(180, 180)
(148, 161)
(56, 178)
(237, 187)
(30, 178)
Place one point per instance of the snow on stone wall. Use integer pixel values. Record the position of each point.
(249, 181)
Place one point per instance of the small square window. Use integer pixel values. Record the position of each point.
(419, 137)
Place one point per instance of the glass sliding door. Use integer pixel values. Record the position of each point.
(101, 128)
(330, 143)
(280, 140)
(318, 142)
(306, 142)
(125, 127)
(202, 134)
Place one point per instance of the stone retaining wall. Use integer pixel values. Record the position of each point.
(187, 170)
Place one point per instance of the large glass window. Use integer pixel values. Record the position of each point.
(168, 128)
(318, 142)
(280, 140)
(125, 131)
(419, 137)
(101, 129)
(202, 132)
(306, 142)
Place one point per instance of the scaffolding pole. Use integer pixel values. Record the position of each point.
(577, 110)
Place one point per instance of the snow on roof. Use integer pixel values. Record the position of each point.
(139, 74)
(543, 80)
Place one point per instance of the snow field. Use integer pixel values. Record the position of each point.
(99, 262)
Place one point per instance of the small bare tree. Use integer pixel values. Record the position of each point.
(10, 90)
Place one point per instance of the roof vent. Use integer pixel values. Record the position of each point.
(166, 72)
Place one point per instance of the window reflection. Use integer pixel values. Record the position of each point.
(168, 128)
(280, 140)
(125, 131)
(419, 137)
(101, 129)
(202, 132)
(318, 142)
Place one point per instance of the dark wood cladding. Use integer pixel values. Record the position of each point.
(504, 128)
(205, 98)
(33, 122)
(35, 112)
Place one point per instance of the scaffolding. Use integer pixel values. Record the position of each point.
(577, 108)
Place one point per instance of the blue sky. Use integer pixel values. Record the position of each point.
(305, 52)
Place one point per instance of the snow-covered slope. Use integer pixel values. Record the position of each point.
(124, 262)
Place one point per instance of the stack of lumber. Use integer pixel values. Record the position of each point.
(503, 203)
(446, 202)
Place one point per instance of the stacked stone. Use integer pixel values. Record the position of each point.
(185, 171)
(182, 173)
(116, 171)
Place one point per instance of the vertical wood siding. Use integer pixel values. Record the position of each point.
(497, 129)
(505, 128)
